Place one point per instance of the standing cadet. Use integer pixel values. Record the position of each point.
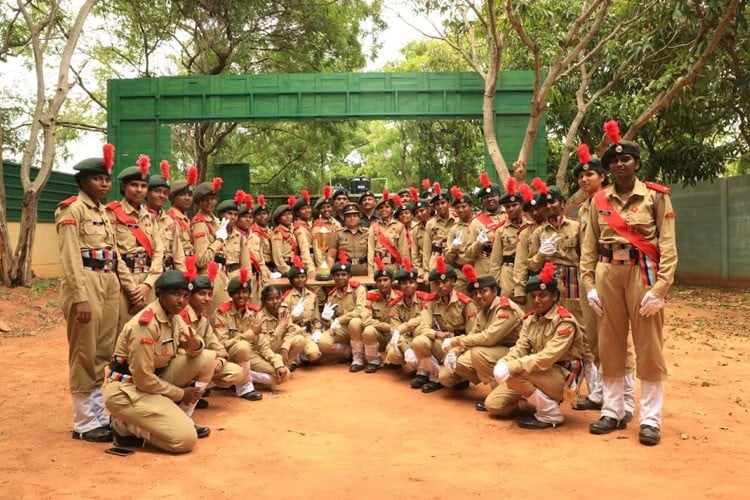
(303, 304)
(89, 292)
(352, 240)
(323, 224)
(536, 207)
(436, 230)
(378, 320)
(302, 230)
(181, 198)
(422, 214)
(506, 239)
(283, 243)
(264, 232)
(253, 248)
(208, 234)
(234, 249)
(138, 241)
(546, 358)
(485, 224)
(386, 238)
(628, 261)
(458, 236)
(404, 215)
(169, 230)
(148, 376)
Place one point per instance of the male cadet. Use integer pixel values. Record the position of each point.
(352, 240)
(342, 311)
(458, 236)
(169, 231)
(367, 207)
(536, 207)
(324, 223)
(446, 313)
(386, 238)
(283, 243)
(422, 214)
(181, 198)
(436, 230)
(340, 198)
(89, 291)
(506, 239)
(209, 234)
(302, 230)
(482, 228)
(378, 320)
(303, 304)
(148, 375)
(138, 241)
(253, 247)
(398, 352)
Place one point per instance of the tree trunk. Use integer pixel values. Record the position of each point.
(21, 266)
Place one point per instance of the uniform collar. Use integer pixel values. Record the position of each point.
(86, 199)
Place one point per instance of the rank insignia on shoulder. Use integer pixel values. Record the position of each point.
(564, 313)
(565, 332)
(67, 201)
(146, 317)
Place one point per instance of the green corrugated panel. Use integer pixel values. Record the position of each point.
(235, 176)
(59, 186)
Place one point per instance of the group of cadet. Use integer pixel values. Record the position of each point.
(493, 287)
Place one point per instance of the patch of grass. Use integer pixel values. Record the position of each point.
(40, 285)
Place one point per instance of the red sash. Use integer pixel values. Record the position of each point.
(259, 231)
(200, 218)
(489, 223)
(610, 215)
(132, 224)
(288, 237)
(178, 219)
(299, 223)
(384, 241)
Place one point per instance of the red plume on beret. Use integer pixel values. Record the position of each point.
(612, 129)
(386, 195)
(306, 195)
(470, 273)
(540, 185)
(191, 271)
(212, 269)
(297, 262)
(436, 187)
(342, 257)
(584, 155)
(239, 197)
(413, 193)
(248, 201)
(244, 275)
(109, 157)
(456, 193)
(440, 264)
(379, 263)
(426, 183)
(510, 186)
(291, 201)
(526, 193)
(192, 176)
(548, 272)
(327, 191)
(261, 200)
(484, 179)
(144, 164)
(216, 184)
(407, 265)
(164, 167)
(398, 200)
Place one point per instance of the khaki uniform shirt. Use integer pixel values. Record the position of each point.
(379, 312)
(205, 244)
(283, 248)
(521, 265)
(183, 230)
(498, 325)
(264, 237)
(310, 319)
(273, 339)
(480, 252)
(435, 240)
(303, 233)
(457, 257)
(169, 231)
(457, 316)
(418, 231)
(408, 312)
(394, 233)
(568, 244)
(253, 247)
(350, 302)
(354, 245)
(232, 326)
(505, 245)
(202, 328)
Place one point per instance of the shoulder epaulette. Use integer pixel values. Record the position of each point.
(332, 291)
(146, 317)
(421, 295)
(395, 300)
(286, 294)
(464, 298)
(657, 187)
(67, 201)
(528, 314)
(564, 313)
(504, 301)
(253, 307)
(373, 296)
(225, 306)
(185, 316)
(354, 283)
(430, 296)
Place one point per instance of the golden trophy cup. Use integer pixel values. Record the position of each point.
(323, 238)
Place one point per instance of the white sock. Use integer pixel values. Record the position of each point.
(593, 381)
(247, 385)
(613, 403)
(629, 391)
(652, 398)
(189, 409)
(431, 368)
(547, 409)
(262, 378)
(372, 353)
(97, 400)
(85, 417)
(358, 350)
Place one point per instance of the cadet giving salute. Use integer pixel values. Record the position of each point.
(628, 260)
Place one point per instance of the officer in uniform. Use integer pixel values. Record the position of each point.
(169, 230)
(482, 228)
(378, 320)
(352, 240)
(368, 208)
(386, 237)
(303, 304)
(89, 292)
(458, 236)
(436, 230)
(147, 375)
(546, 358)
(340, 198)
(181, 198)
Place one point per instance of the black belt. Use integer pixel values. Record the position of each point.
(232, 267)
(509, 259)
(438, 247)
(99, 264)
(458, 333)
(168, 263)
(607, 252)
(130, 259)
(119, 367)
(356, 262)
(220, 259)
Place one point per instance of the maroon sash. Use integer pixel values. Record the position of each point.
(384, 241)
(608, 212)
(132, 224)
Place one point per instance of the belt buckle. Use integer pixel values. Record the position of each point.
(621, 254)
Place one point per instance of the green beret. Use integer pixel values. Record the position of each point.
(485, 280)
(465, 198)
(244, 209)
(235, 285)
(91, 166)
(179, 187)
(621, 148)
(510, 198)
(278, 211)
(155, 181)
(594, 165)
(225, 205)
(379, 273)
(419, 204)
(132, 174)
(301, 202)
(202, 283)
(202, 190)
(339, 266)
(402, 275)
(322, 201)
(172, 280)
(295, 271)
(535, 283)
(555, 193)
(450, 272)
(483, 191)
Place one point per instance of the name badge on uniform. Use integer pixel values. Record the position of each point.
(605, 212)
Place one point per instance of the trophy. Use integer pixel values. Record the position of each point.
(324, 240)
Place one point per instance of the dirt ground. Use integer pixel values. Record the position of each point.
(332, 434)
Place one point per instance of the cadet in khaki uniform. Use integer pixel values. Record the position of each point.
(484, 225)
(302, 230)
(147, 375)
(506, 239)
(446, 313)
(628, 262)
(536, 208)
(204, 226)
(283, 243)
(472, 357)
(324, 223)
(386, 238)
(181, 198)
(342, 311)
(169, 230)
(352, 240)
(422, 214)
(378, 320)
(253, 247)
(264, 232)
(138, 241)
(89, 292)
(436, 230)
(458, 236)
(398, 352)
(546, 358)
(234, 249)
(303, 305)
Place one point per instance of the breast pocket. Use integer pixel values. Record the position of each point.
(164, 351)
(642, 223)
(94, 233)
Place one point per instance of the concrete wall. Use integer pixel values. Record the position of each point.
(45, 261)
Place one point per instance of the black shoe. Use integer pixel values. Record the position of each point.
(431, 387)
(126, 441)
(419, 381)
(391, 366)
(372, 368)
(357, 367)
(628, 417)
(649, 435)
(305, 362)
(605, 425)
(480, 406)
(202, 431)
(533, 423)
(98, 435)
(461, 386)
(586, 404)
(207, 392)
(293, 367)
(202, 404)
(252, 396)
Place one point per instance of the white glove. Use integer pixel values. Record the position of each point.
(316, 335)
(450, 362)
(650, 305)
(410, 357)
(275, 275)
(222, 233)
(395, 336)
(328, 311)
(482, 237)
(298, 309)
(548, 246)
(447, 346)
(458, 241)
(595, 302)
(501, 372)
(335, 324)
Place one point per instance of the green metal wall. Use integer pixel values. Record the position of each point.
(235, 176)
(59, 187)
